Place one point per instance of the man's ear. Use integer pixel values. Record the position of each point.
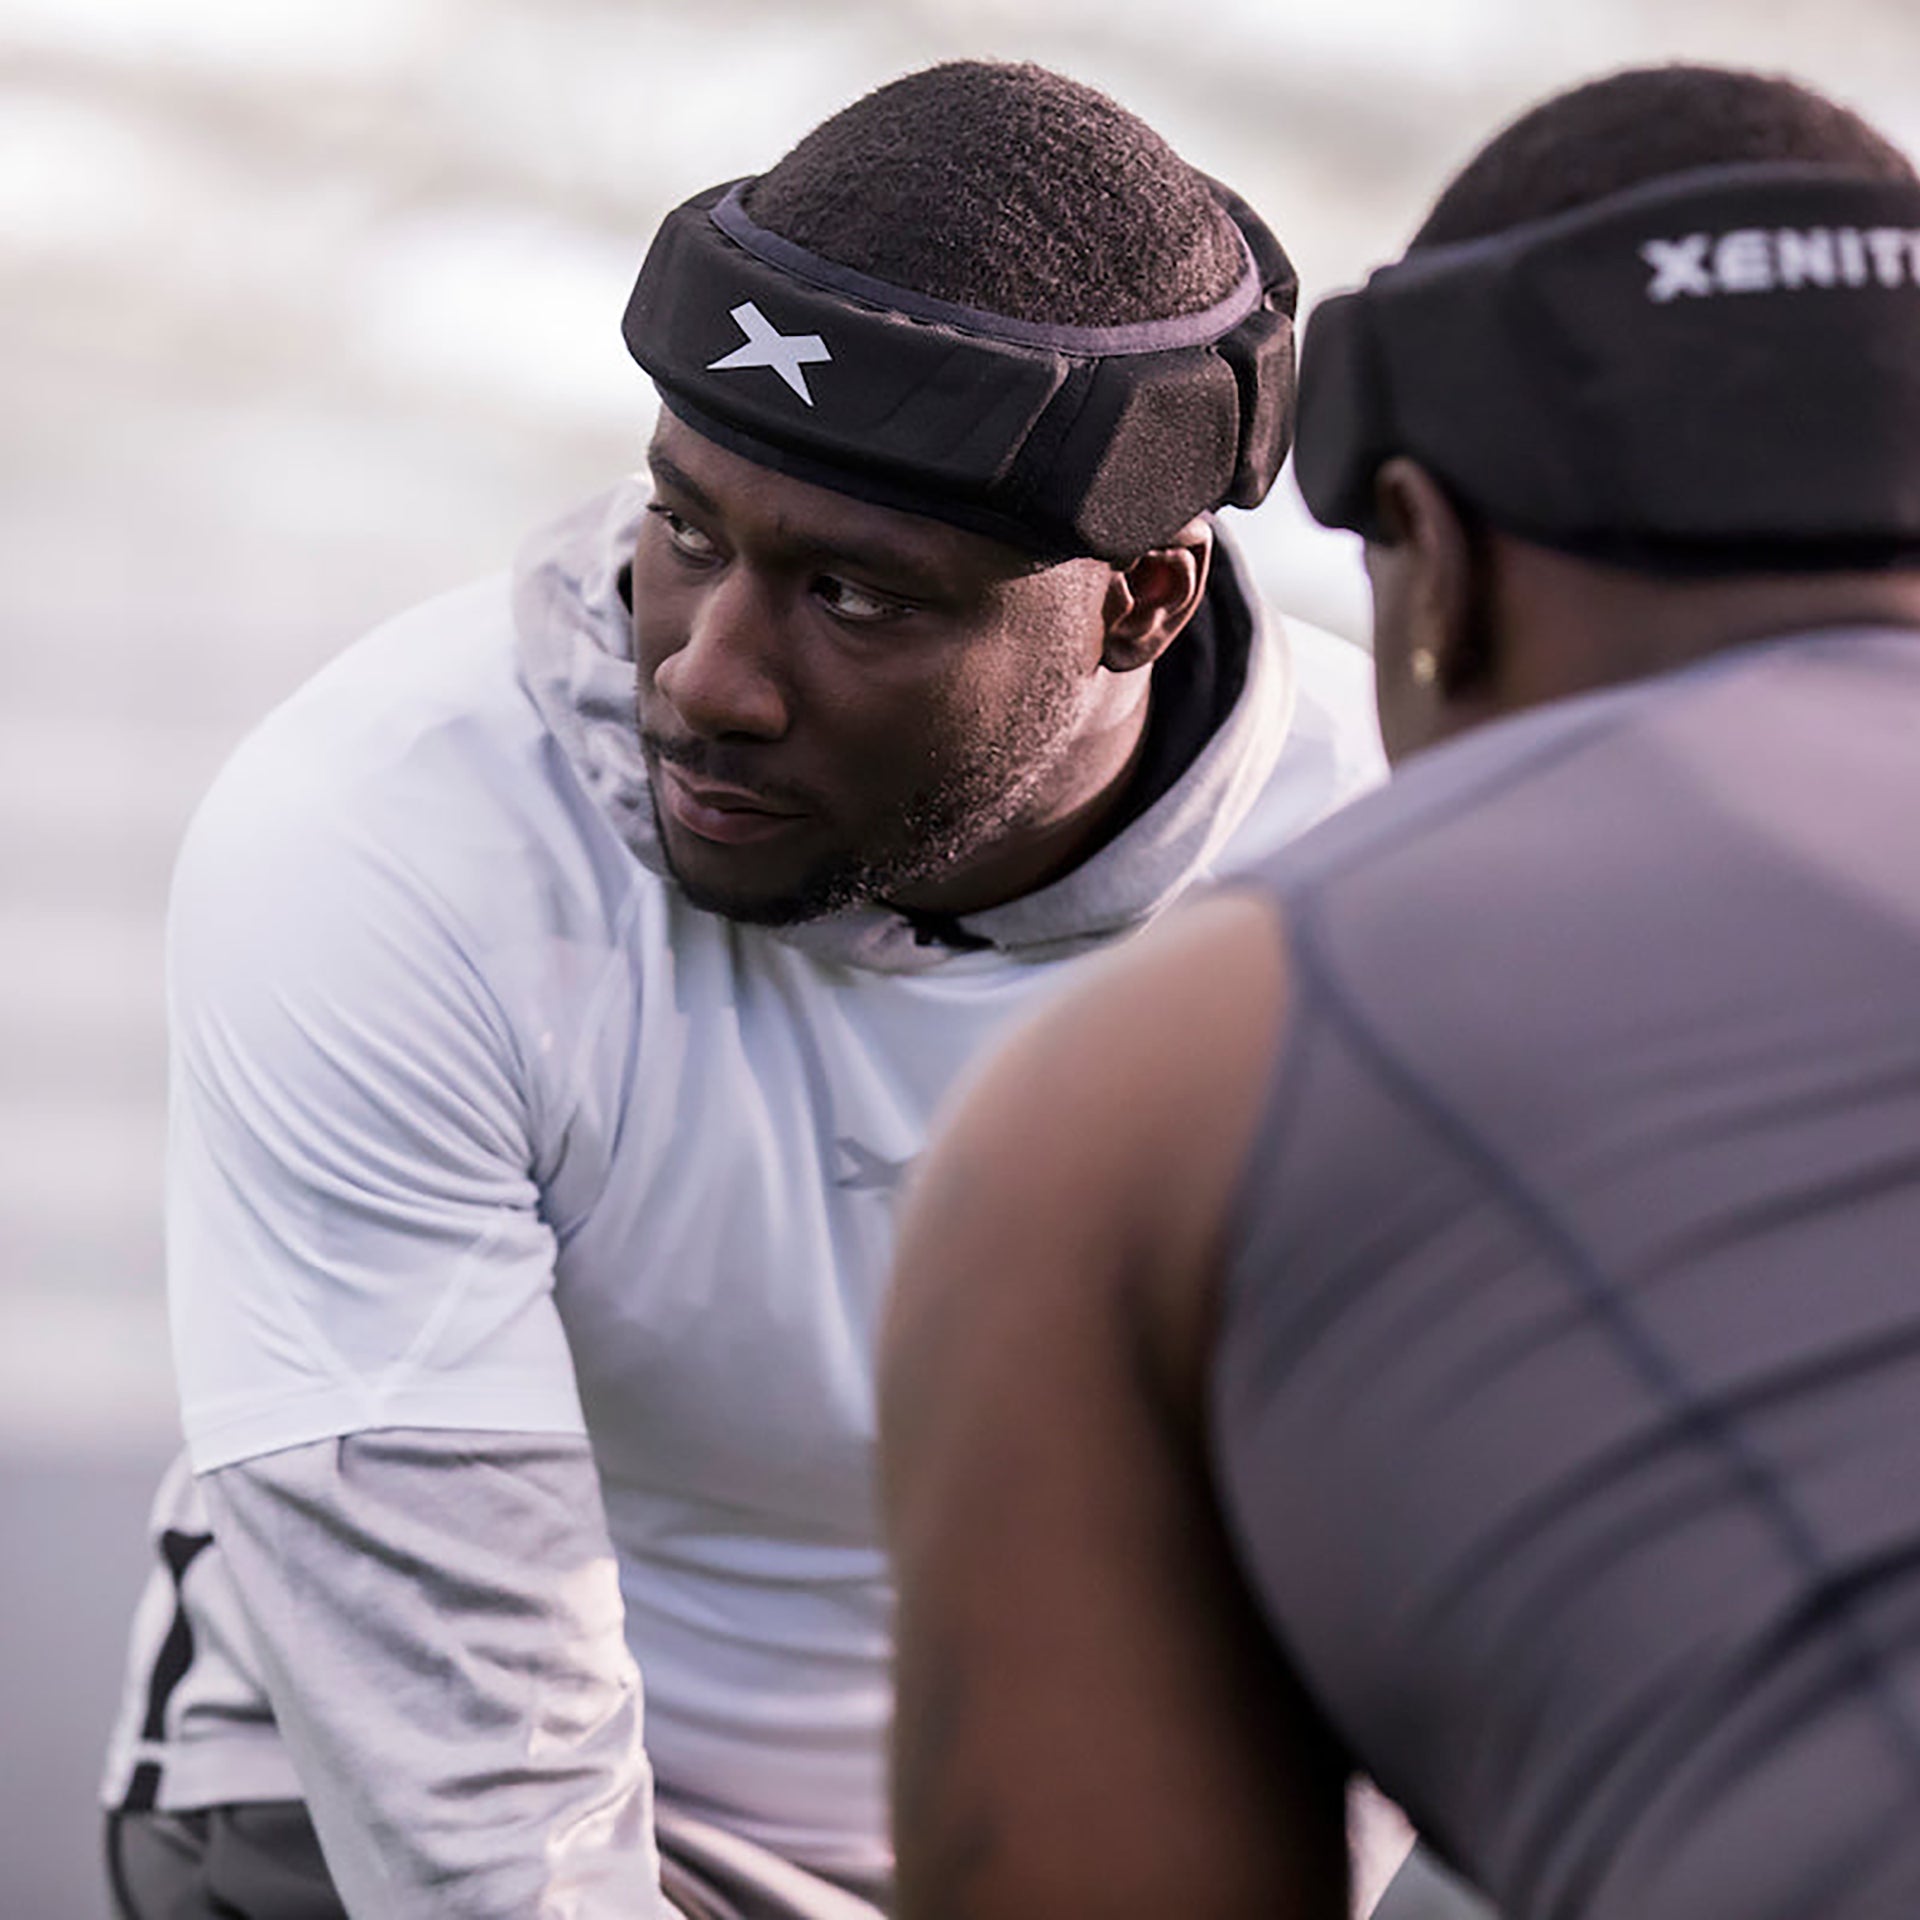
(1152, 598)
(1430, 563)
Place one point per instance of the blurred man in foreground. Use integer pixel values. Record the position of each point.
(561, 983)
(1449, 1307)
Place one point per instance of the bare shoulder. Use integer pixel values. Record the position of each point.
(1091, 1716)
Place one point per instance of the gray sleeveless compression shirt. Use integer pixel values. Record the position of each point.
(1567, 1394)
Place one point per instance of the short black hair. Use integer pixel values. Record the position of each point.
(1008, 188)
(1644, 124)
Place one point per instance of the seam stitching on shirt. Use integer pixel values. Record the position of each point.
(1865, 1665)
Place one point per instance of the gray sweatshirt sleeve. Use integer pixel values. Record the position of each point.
(438, 1621)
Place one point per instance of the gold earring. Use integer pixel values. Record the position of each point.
(1423, 664)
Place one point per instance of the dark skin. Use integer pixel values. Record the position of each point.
(1093, 1718)
(1511, 625)
(843, 702)
(1090, 1719)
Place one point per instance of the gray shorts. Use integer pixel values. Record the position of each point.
(262, 1862)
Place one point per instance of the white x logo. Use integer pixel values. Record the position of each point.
(1679, 266)
(767, 346)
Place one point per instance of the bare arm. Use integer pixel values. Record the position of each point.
(1092, 1721)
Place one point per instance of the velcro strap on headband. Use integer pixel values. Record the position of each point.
(1061, 440)
(1725, 362)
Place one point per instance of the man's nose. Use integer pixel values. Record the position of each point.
(723, 678)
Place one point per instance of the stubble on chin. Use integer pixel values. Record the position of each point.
(830, 889)
(934, 832)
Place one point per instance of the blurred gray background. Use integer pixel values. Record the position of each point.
(309, 308)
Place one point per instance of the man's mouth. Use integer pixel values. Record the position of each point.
(719, 811)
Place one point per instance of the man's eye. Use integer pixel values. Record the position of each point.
(845, 601)
(682, 535)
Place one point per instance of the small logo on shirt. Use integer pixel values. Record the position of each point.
(1783, 259)
(866, 1171)
(767, 346)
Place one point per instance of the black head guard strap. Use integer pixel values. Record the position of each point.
(1718, 369)
(1059, 440)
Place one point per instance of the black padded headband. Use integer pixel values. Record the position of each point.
(1058, 440)
(1721, 367)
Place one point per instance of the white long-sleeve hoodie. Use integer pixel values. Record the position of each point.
(487, 1147)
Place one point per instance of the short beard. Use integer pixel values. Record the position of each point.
(938, 829)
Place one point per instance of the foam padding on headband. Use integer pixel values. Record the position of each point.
(1725, 359)
(1061, 440)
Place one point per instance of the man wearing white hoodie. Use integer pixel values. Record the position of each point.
(561, 985)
